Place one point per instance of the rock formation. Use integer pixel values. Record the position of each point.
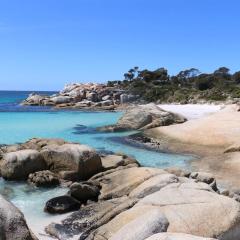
(12, 223)
(83, 96)
(120, 200)
(142, 117)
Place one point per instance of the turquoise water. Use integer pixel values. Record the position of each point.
(18, 124)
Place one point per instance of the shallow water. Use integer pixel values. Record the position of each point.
(30, 201)
(18, 124)
(77, 127)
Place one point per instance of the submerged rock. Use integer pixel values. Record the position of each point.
(12, 223)
(18, 165)
(62, 204)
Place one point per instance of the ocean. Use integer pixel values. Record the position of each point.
(20, 123)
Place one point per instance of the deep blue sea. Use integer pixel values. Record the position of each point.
(19, 123)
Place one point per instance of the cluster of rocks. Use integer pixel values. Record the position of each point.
(48, 163)
(113, 197)
(142, 117)
(80, 96)
(147, 203)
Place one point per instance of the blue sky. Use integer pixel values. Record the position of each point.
(47, 43)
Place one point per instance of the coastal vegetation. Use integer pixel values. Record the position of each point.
(188, 86)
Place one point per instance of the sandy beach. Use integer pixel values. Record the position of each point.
(192, 111)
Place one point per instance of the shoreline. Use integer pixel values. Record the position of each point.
(221, 157)
(164, 144)
(204, 158)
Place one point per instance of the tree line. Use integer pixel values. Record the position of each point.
(160, 85)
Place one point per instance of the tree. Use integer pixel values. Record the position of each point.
(189, 73)
(204, 82)
(159, 74)
(129, 75)
(236, 77)
(222, 71)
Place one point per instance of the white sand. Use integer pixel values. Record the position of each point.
(191, 111)
(221, 128)
(210, 126)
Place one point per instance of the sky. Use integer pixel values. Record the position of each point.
(45, 44)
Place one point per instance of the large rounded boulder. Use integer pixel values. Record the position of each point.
(142, 227)
(18, 165)
(62, 204)
(34, 99)
(73, 157)
(61, 99)
(144, 117)
(12, 223)
(84, 191)
(43, 179)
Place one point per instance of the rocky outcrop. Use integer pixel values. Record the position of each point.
(114, 161)
(35, 99)
(81, 159)
(122, 182)
(144, 117)
(142, 227)
(137, 202)
(206, 178)
(81, 96)
(62, 204)
(46, 161)
(85, 191)
(61, 99)
(190, 208)
(12, 223)
(152, 185)
(89, 218)
(34, 144)
(121, 200)
(18, 165)
(44, 179)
